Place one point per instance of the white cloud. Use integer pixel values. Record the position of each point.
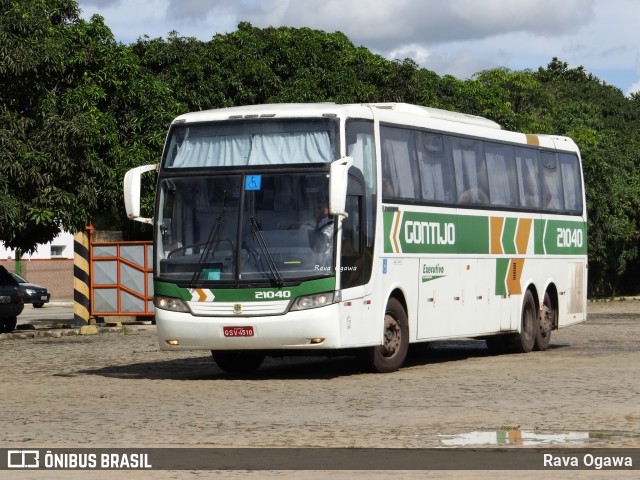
(380, 22)
(634, 88)
(457, 37)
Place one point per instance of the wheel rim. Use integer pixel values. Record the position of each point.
(392, 336)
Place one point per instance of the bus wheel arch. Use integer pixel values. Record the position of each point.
(391, 354)
(524, 340)
(548, 320)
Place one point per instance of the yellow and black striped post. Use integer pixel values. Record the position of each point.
(81, 296)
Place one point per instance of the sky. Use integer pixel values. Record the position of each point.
(455, 37)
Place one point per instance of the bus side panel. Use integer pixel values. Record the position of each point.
(441, 297)
(457, 298)
(574, 300)
(361, 321)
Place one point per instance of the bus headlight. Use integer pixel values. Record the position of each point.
(313, 301)
(169, 303)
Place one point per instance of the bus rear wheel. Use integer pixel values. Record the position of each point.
(548, 318)
(390, 356)
(524, 341)
(235, 361)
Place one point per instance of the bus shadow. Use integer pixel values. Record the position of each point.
(293, 368)
(453, 350)
(204, 368)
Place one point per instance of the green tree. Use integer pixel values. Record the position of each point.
(76, 112)
(604, 124)
(52, 136)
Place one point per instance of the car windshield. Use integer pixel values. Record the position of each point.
(18, 278)
(250, 228)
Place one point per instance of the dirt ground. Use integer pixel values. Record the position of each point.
(119, 390)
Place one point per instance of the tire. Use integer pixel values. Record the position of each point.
(524, 341)
(390, 356)
(236, 361)
(8, 325)
(547, 322)
(38, 305)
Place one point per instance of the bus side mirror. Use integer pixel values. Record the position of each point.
(132, 183)
(338, 179)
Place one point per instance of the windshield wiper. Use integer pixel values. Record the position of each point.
(213, 239)
(265, 250)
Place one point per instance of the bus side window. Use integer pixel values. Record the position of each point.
(471, 171)
(361, 147)
(398, 164)
(503, 186)
(571, 182)
(552, 196)
(528, 178)
(436, 170)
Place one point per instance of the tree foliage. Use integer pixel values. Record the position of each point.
(78, 109)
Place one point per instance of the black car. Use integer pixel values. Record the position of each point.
(11, 301)
(32, 293)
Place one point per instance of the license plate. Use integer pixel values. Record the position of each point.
(4, 299)
(43, 297)
(238, 331)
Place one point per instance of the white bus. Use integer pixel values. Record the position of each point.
(364, 227)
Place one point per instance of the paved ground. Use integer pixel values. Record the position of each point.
(116, 389)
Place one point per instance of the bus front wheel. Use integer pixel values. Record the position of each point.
(524, 341)
(234, 361)
(390, 356)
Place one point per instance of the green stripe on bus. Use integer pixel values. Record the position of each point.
(509, 235)
(502, 267)
(387, 218)
(469, 234)
(565, 238)
(249, 294)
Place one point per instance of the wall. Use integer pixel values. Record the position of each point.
(54, 272)
(56, 275)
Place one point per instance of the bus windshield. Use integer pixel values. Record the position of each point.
(266, 228)
(240, 143)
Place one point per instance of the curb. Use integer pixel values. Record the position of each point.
(70, 332)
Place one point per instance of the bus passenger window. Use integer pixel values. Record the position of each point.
(436, 170)
(503, 185)
(398, 163)
(528, 178)
(571, 182)
(471, 171)
(552, 197)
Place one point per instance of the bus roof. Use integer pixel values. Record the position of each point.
(437, 113)
(331, 109)
(401, 113)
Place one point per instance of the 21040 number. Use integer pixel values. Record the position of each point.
(268, 294)
(570, 238)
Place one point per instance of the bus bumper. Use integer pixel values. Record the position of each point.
(315, 329)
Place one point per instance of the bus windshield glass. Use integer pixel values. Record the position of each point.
(240, 143)
(267, 228)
